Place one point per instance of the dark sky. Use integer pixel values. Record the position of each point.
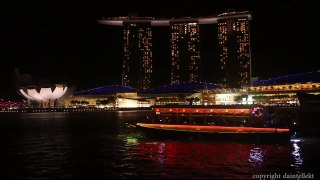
(61, 40)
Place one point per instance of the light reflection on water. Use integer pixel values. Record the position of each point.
(296, 153)
(228, 160)
(256, 155)
(215, 159)
(100, 146)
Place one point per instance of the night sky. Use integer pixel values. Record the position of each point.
(61, 40)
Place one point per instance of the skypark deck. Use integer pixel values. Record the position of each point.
(120, 21)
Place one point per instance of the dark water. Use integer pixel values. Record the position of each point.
(100, 146)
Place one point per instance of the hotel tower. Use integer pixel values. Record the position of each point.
(185, 52)
(137, 59)
(137, 50)
(233, 44)
(234, 49)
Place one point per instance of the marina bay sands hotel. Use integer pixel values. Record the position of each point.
(233, 47)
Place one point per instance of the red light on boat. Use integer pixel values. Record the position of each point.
(197, 110)
(183, 110)
(157, 110)
(170, 110)
(242, 110)
(211, 110)
(216, 128)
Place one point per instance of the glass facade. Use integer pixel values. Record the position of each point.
(234, 51)
(234, 63)
(185, 52)
(137, 59)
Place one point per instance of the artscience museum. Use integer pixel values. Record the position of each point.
(46, 96)
(45, 93)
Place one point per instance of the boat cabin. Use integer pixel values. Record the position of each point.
(235, 115)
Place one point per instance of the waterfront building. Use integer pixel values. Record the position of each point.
(45, 96)
(234, 45)
(185, 52)
(280, 90)
(234, 49)
(182, 93)
(307, 81)
(112, 96)
(137, 59)
(137, 51)
(274, 91)
(41, 93)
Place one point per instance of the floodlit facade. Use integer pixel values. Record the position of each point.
(182, 93)
(185, 52)
(44, 95)
(226, 98)
(112, 96)
(234, 49)
(308, 81)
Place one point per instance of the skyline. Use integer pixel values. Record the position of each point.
(63, 41)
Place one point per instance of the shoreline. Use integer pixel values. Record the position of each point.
(53, 110)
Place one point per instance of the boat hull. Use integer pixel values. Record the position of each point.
(221, 135)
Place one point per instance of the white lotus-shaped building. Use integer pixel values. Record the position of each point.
(44, 94)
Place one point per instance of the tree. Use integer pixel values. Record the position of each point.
(112, 100)
(75, 102)
(240, 97)
(181, 97)
(98, 102)
(84, 102)
(104, 102)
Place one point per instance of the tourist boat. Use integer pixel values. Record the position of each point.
(225, 122)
